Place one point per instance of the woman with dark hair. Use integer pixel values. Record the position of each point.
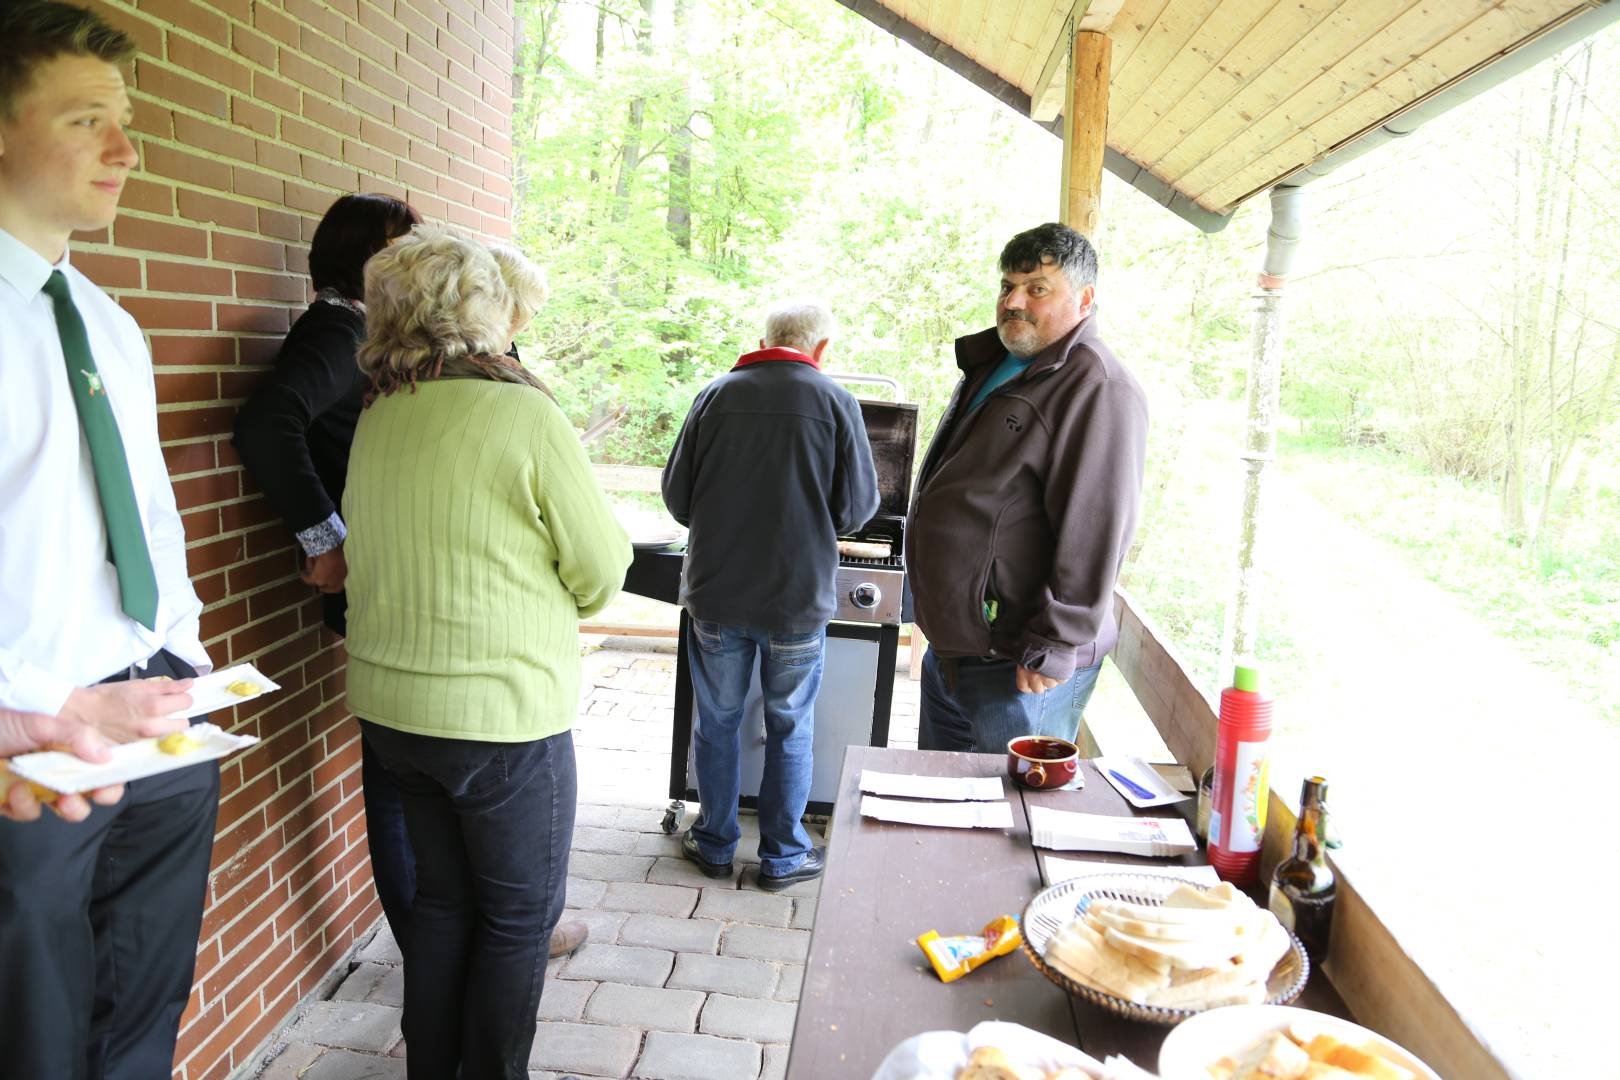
(293, 436)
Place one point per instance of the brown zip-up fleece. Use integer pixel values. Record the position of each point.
(1025, 506)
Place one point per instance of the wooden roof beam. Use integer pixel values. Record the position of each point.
(1085, 131)
(1046, 96)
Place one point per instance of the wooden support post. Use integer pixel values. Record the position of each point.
(1085, 130)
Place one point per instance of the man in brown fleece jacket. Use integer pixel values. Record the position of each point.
(1025, 506)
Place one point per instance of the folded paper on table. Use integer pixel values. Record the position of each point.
(954, 815)
(1069, 830)
(1144, 776)
(1060, 869)
(226, 689)
(932, 787)
(65, 773)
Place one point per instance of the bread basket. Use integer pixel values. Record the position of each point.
(1056, 906)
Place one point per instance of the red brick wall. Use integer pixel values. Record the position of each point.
(252, 116)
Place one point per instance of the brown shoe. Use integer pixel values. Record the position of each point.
(569, 935)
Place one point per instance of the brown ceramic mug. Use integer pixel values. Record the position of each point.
(1042, 761)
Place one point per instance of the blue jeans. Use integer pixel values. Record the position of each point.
(722, 665)
(491, 825)
(980, 710)
(393, 867)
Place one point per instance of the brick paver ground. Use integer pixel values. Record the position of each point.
(683, 977)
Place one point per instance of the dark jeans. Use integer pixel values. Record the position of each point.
(491, 825)
(393, 866)
(99, 923)
(974, 705)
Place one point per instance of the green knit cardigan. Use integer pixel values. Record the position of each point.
(478, 537)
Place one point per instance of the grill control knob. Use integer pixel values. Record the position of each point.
(865, 595)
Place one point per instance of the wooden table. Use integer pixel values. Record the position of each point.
(867, 986)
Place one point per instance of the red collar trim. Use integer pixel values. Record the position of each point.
(778, 353)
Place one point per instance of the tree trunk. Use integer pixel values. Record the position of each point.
(596, 72)
(678, 218)
(1562, 425)
(630, 155)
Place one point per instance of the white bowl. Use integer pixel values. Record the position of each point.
(1206, 1038)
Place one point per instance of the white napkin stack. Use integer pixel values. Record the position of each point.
(1068, 830)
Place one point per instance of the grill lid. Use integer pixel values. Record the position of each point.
(891, 428)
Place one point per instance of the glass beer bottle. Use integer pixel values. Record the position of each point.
(1303, 887)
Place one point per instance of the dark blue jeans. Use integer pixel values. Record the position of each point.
(491, 825)
(393, 866)
(790, 665)
(978, 708)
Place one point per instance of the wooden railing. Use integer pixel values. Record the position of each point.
(1184, 716)
(1374, 974)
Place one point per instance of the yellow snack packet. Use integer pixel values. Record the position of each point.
(954, 957)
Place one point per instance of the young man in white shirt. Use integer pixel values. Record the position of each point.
(98, 918)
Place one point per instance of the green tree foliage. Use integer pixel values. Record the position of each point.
(801, 168)
(1450, 327)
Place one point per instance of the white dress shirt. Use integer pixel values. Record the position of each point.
(61, 625)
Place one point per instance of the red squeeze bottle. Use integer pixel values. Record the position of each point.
(1237, 817)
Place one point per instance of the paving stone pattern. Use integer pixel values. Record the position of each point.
(684, 977)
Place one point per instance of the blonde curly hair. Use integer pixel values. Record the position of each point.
(432, 297)
(525, 281)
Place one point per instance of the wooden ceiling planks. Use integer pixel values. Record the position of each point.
(1130, 27)
(1157, 50)
(1315, 102)
(1223, 28)
(1251, 57)
(1048, 29)
(996, 25)
(1219, 99)
(1353, 21)
(1481, 39)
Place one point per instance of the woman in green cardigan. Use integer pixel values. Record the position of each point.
(477, 539)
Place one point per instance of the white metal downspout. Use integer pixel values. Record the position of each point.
(1239, 638)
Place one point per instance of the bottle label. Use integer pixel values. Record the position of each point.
(1249, 778)
(1281, 907)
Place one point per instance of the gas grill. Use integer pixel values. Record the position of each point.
(862, 641)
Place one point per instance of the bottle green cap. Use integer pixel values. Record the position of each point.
(1246, 678)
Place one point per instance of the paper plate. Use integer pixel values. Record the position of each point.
(65, 773)
(1206, 1038)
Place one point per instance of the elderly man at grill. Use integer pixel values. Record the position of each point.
(1025, 506)
(477, 539)
(771, 466)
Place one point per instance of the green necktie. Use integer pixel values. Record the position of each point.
(137, 584)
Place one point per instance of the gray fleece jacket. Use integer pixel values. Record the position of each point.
(770, 468)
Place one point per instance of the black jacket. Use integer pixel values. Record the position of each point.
(771, 466)
(293, 435)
